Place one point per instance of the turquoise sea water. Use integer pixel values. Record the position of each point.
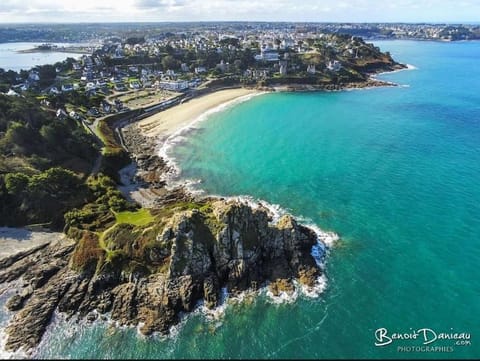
(394, 171)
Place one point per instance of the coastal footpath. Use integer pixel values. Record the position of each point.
(145, 267)
(147, 273)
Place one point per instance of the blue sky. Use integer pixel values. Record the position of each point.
(260, 10)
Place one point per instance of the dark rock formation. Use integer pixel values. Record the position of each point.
(149, 275)
(223, 244)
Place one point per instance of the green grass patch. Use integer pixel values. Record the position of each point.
(105, 133)
(141, 217)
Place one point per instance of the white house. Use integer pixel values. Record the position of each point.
(287, 43)
(61, 113)
(34, 76)
(172, 85)
(267, 55)
(334, 65)
(200, 69)
(222, 66)
(13, 93)
(283, 67)
(135, 85)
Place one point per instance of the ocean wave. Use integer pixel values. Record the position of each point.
(283, 297)
(178, 137)
(325, 239)
(315, 290)
(6, 355)
(409, 67)
(300, 290)
(7, 291)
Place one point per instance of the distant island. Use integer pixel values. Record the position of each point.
(46, 47)
(136, 249)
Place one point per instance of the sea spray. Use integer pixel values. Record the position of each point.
(408, 67)
(325, 240)
(8, 291)
(394, 218)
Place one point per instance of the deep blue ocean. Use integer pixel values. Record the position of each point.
(394, 171)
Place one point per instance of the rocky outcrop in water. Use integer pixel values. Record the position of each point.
(149, 275)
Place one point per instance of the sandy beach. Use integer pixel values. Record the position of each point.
(165, 123)
(13, 240)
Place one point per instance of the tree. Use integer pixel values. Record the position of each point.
(51, 133)
(18, 137)
(247, 58)
(16, 183)
(169, 49)
(169, 62)
(230, 41)
(189, 56)
(135, 40)
(47, 74)
(54, 182)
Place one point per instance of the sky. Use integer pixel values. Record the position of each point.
(61, 11)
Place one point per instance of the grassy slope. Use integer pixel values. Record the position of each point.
(141, 217)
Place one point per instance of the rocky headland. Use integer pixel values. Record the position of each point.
(148, 274)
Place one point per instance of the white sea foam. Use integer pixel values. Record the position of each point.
(299, 291)
(315, 290)
(179, 136)
(409, 67)
(6, 355)
(282, 297)
(325, 239)
(8, 291)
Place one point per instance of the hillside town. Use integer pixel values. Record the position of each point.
(129, 71)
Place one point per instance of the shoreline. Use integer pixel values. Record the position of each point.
(67, 51)
(149, 139)
(166, 123)
(55, 285)
(185, 114)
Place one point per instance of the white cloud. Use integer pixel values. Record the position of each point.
(158, 4)
(204, 10)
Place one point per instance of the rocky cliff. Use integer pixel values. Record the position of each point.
(147, 275)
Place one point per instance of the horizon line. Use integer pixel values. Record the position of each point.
(241, 21)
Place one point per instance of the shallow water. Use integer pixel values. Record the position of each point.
(394, 171)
